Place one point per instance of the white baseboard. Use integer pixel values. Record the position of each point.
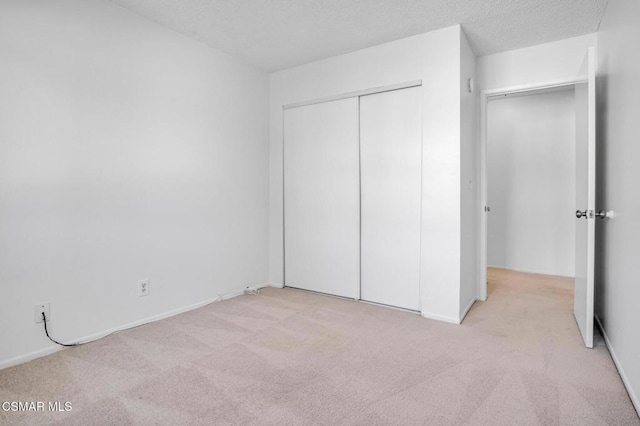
(274, 285)
(437, 317)
(623, 376)
(30, 356)
(95, 336)
(529, 271)
(450, 320)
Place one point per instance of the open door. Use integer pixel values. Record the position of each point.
(585, 199)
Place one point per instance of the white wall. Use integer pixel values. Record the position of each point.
(531, 182)
(469, 177)
(542, 63)
(618, 150)
(126, 151)
(435, 59)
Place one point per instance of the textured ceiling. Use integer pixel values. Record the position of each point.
(277, 34)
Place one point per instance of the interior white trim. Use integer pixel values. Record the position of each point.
(632, 396)
(467, 309)
(274, 285)
(484, 99)
(357, 93)
(30, 356)
(529, 87)
(95, 336)
(450, 320)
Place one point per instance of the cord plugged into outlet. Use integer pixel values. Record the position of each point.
(42, 313)
(44, 319)
(40, 310)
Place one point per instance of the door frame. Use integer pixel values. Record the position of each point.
(482, 214)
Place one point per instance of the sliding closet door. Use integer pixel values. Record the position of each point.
(391, 145)
(321, 197)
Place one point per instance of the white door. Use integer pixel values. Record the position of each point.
(390, 157)
(585, 200)
(321, 198)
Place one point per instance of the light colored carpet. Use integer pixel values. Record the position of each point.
(291, 357)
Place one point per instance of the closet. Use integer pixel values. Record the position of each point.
(352, 197)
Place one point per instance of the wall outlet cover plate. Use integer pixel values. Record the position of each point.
(39, 309)
(143, 287)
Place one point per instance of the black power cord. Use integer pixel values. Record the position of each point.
(44, 318)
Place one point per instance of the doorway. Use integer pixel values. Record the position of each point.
(494, 95)
(531, 181)
(585, 201)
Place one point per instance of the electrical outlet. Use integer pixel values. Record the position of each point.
(143, 287)
(39, 309)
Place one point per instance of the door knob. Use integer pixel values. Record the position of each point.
(591, 214)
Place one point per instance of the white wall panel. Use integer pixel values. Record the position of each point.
(536, 64)
(617, 239)
(469, 178)
(127, 151)
(321, 197)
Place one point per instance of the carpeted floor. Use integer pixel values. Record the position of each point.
(289, 357)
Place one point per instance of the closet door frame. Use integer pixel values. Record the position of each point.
(354, 94)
